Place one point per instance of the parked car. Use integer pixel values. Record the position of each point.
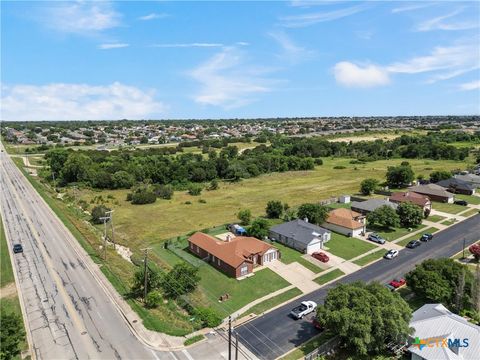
(317, 324)
(461, 202)
(396, 283)
(426, 237)
(376, 238)
(321, 256)
(391, 254)
(389, 287)
(413, 244)
(305, 308)
(17, 248)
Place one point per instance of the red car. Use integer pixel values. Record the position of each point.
(317, 324)
(321, 256)
(396, 283)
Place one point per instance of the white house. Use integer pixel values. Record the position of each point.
(346, 222)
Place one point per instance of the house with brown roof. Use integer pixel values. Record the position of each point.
(409, 196)
(346, 222)
(236, 256)
(434, 192)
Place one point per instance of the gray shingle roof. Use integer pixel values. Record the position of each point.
(456, 183)
(431, 189)
(299, 230)
(372, 204)
(470, 178)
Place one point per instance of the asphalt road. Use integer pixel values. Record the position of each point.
(276, 333)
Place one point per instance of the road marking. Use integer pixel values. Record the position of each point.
(185, 352)
(173, 355)
(154, 354)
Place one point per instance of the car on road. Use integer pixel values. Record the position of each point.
(413, 244)
(426, 237)
(461, 202)
(396, 283)
(17, 248)
(376, 238)
(389, 287)
(321, 256)
(391, 254)
(305, 308)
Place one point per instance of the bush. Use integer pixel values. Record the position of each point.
(245, 216)
(153, 299)
(274, 209)
(208, 317)
(195, 189)
(202, 201)
(11, 336)
(318, 162)
(339, 167)
(368, 186)
(259, 228)
(193, 340)
(97, 213)
(213, 185)
(164, 191)
(143, 197)
(475, 251)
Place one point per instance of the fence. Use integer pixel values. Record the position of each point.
(327, 347)
(383, 192)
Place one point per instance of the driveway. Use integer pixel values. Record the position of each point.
(296, 274)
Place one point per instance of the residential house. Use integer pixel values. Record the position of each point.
(236, 256)
(365, 207)
(346, 222)
(472, 179)
(414, 198)
(300, 235)
(442, 334)
(434, 192)
(457, 186)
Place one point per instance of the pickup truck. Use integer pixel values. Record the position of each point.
(305, 308)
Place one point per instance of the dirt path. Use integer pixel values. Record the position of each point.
(8, 290)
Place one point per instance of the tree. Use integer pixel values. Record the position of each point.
(440, 175)
(411, 215)
(164, 191)
(398, 176)
(368, 186)
(76, 167)
(365, 316)
(97, 213)
(475, 250)
(245, 215)
(181, 280)
(56, 159)
(195, 189)
(259, 228)
(12, 335)
(314, 213)
(438, 280)
(153, 281)
(384, 216)
(274, 209)
(122, 180)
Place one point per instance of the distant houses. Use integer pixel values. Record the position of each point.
(412, 197)
(457, 186)
(300, 235)
(366, 207)
(346, 222)
(434, 192)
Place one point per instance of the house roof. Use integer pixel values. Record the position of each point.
(456, 183)
(470, 178)
(299, 230)
(345, 218)
(410, 196)
(233, 252)
(372, 204)
(431, 189)
(435, 321)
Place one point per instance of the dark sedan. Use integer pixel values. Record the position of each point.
(413, 244)
(17, 248)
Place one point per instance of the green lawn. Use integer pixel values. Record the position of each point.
(272, 302)
(395, 233)
(404, 242)
(367, 259)
(323, 279)
(290, 255)
(5, 264)
(193, 340)
(347, 247)
(309, 346)
(448, 208)
(436, 218)
(449, 222)
(470, 212)
(471, 199)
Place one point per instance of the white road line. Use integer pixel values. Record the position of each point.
(185, 352)
(154, 354)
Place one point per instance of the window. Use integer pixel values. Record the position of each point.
(244, 270)
(219, 262)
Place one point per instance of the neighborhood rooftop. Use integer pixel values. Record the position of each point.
(372, 204)
(300, 230)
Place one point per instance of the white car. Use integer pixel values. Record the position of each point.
(305, 308)
(391, 254)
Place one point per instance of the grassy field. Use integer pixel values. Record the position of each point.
(309, 346)
(394, 234)
(448, 208)
(323, 279)
(471, 199)
(347, 247)
(272, 302)
(6, 276)
(404, 242)
(436, 218)
(470, 212)
(290, 255)
(367, 259)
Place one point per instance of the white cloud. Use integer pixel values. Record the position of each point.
(438, 23)
(153, 16)
(473, 85)
(77, 102)
(81, 17)
(352, 75)
(295, 21)
(291, 51)
(412, 7)
(227, 80)
(187, 45)
(113, 46)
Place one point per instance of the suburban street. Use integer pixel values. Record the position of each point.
(276, 333)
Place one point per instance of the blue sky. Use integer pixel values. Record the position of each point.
(158, 59)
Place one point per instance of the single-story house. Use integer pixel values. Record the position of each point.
(346, 222)
(439, 334)
(457, 186)
(472, 179)
(300, 235)
(365, 207)
(434, 192)
(236, 256)
(412, 197)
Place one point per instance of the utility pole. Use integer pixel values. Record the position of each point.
(145, 272)
(463, 256)
(104, 219)
(236, 345)
(229, 338)
(109, 213)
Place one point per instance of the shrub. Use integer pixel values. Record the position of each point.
(339, 167)
(213, 185)
(318, 162)
(97, 213)
(153, 299)
(143, 197)
(367, 186)
(195, 189)
(245, 216)
(208, 317)
(193, 340)
(274, 209)
(202, 201)
(164, 191)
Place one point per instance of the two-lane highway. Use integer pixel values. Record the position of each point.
(276, 333)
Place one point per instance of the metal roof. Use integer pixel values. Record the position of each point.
(299, 230)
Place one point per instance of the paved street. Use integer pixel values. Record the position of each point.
(276, 333)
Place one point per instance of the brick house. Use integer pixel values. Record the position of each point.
(414, 198)
(237, 257)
